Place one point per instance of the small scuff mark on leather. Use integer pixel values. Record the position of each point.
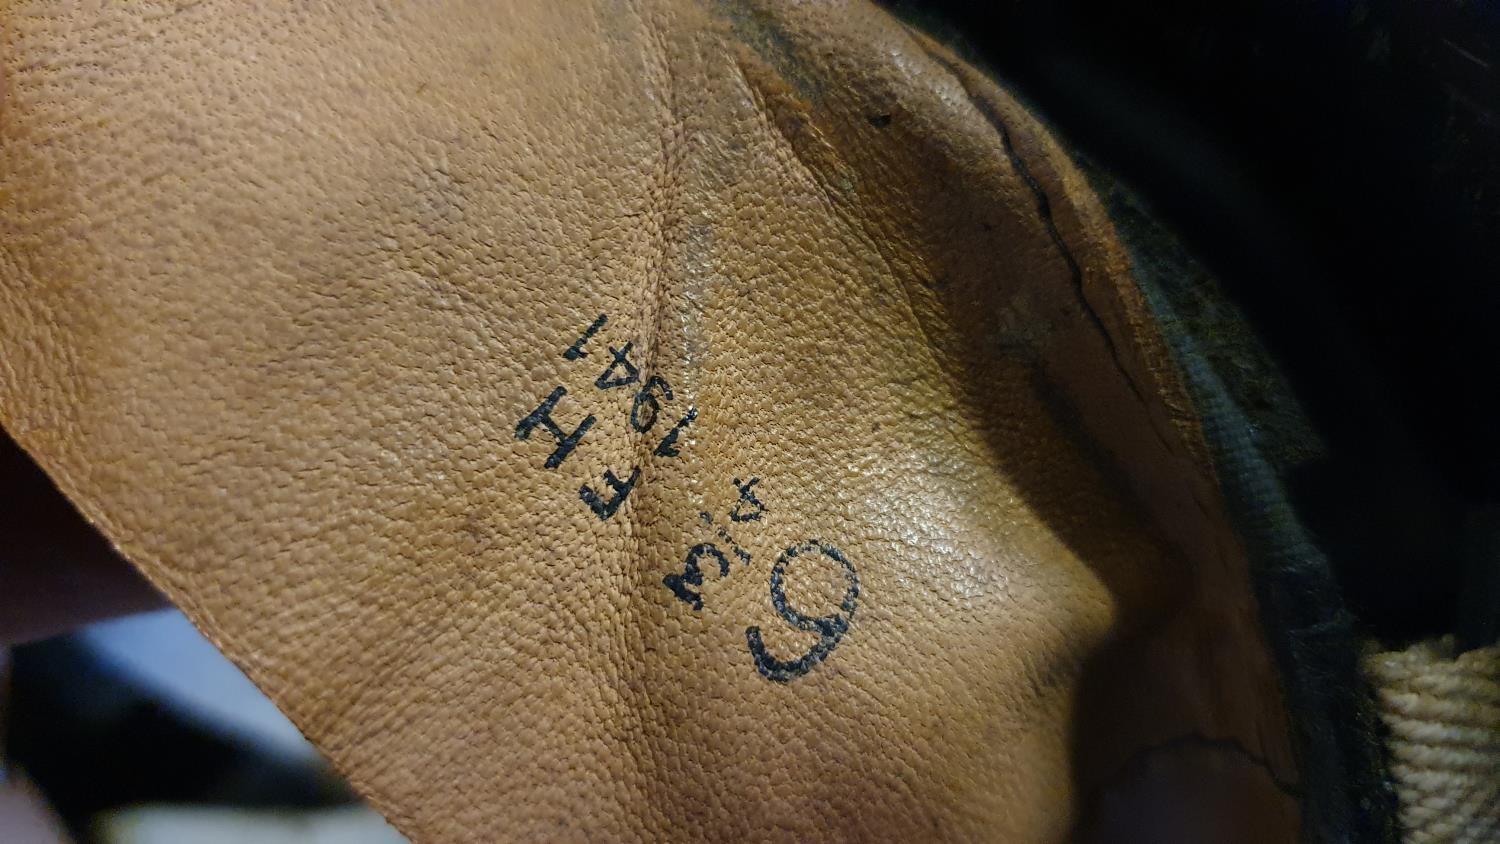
(760, 31)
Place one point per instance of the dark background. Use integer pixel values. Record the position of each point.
(1336, 165)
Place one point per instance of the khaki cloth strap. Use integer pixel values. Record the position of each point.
(1443, 713)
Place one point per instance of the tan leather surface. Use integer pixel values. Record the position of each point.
(280, 285)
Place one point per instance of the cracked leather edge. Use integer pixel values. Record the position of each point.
(1346, 792)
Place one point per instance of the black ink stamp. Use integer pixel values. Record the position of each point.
(576, 351)
(830, 628)
(606, 507)
(723, 534)
(542, 417)
(692, 575)
(747, 498)
(734, 546)
(647, 400)
(629, 374)
(668, 445)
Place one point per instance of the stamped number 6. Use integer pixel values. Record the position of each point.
(830, 628)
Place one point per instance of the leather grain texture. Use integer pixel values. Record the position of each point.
(594, 420)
